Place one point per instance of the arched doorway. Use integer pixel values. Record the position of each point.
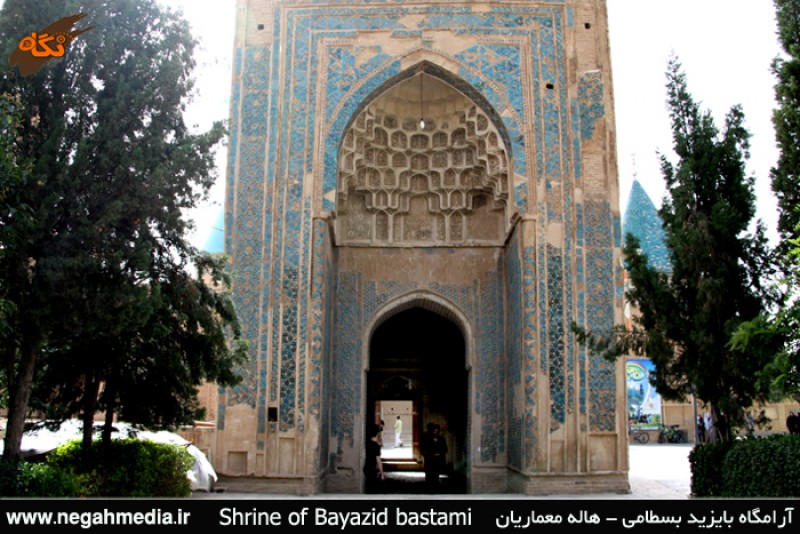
(417, 372)
(423, 201)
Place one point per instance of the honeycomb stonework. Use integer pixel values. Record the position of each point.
(445, 185)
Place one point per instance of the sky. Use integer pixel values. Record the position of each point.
(726, 48)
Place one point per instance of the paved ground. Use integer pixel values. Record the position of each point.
(657, 471)
(660, 471)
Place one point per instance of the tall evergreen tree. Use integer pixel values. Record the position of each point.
(786, 119)
(785, 369)
(777, 332)
(686, 318)
(15, 216)
(100, 283)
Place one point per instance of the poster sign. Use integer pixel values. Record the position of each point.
(644, 402)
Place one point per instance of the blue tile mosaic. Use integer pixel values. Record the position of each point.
(555, 334)
(590, 97)
(515, 352)
(489, 398)
(301, 312)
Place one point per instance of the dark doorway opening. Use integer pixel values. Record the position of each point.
(417, 369)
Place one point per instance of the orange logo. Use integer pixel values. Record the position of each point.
(38, 48)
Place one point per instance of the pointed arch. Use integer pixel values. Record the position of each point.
(428, 301)
(371, 85)
(407, 120)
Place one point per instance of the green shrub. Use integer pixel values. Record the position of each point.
(707, 466)
(753, 467)
(40, 479)
(37, 479)
(129, 468)
(763, 467)
(11, 482)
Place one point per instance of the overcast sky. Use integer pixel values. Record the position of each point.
(726, 48)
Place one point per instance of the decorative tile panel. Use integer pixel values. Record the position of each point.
(515, 350)
(602, 294)
(489, 397)
(591, 95)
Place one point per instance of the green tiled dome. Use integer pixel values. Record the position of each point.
(642, 220)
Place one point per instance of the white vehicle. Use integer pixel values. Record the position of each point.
(42, 440)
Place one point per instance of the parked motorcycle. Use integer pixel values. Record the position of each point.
(671, 434)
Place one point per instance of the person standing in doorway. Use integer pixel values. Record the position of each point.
(373, 465)
(793, 423)
(750, 423)
(700, 427)
(434, 452)
(707, 421)
(398, 430)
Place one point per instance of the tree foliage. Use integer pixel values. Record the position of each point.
(687, 316)
(777, 332)
(101, 283)
(785, 369)
(786, 120)
(14, 212)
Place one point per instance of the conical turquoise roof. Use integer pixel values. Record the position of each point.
(215, 244)
(642, 220)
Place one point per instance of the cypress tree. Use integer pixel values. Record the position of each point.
(105, 286)
(686, 318)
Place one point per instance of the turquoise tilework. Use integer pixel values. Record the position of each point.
(603, 289)
(490, 396)
(528, 289)
(642, 220)
(346, 365)
(515, 351)
(590, 97)
(279, 252)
